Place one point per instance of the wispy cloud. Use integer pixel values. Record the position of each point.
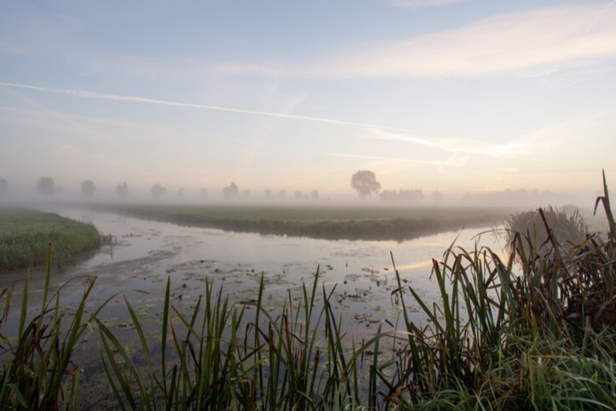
(69, 150)
(135, 99)
(454, 161)
(421, 4)
(524, 42)
(455, 145)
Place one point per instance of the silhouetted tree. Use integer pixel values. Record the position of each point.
(4, 187)
(298, 195)
(268, 194)
(158, 191)
(122, 191)
(282, 194)
(45, 186)
(314, 195)
(88, 189)
(230, 192)
(364, 182)
(181, 193)
(203, 192)
(437, 196)
(246, 194)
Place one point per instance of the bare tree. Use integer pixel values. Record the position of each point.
(364, 182)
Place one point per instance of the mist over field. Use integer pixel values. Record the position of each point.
(482, 102)
(307, 205)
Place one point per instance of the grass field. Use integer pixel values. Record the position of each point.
(25, 235)
(329, 222)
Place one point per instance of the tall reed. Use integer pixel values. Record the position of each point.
(37, 371)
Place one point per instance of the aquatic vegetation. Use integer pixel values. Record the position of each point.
(37, 370)
(25, 235)
(531, 330)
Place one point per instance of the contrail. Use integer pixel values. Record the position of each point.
(134, 99)
(599, 15)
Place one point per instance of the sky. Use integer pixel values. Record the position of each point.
(459, 96)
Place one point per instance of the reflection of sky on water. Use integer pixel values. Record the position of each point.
(148, 252)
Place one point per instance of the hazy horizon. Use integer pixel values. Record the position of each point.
(464, 97)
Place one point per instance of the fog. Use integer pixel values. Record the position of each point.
(241, 196)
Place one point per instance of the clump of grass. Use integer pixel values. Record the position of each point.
(25, 233)
(215, 360)
(37, 372)
(566, 226)
(533, 331)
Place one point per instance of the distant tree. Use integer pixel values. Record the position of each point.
(181, 193)
(230, 192)
(437, 196)
(314, 195)
(282, 194)
(158, 191)
(88, 189)
(268, 194)
(203, 192)
(410, 195)
(364, 182)
(298, 195)
(401, 195)
(4, 187)
(388, 195)
(246, 194)
(122, 191)
(45, 186)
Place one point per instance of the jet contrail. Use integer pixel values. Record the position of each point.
(134, 99)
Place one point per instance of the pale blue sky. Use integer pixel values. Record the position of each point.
(449, 95)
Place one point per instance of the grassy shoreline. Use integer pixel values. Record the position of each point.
(26, 233)
(330, 223)
(532, 331)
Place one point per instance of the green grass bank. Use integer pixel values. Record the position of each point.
(324, 222)
(26, 233)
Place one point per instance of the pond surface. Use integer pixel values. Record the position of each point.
(146, 253)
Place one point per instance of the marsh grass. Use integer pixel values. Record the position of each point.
(533, 330)
(326, 222)
(37, 369)
(25, 234)
(530, 331)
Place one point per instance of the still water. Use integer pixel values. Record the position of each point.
(144, 254)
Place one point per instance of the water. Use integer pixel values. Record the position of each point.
(146, 253)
